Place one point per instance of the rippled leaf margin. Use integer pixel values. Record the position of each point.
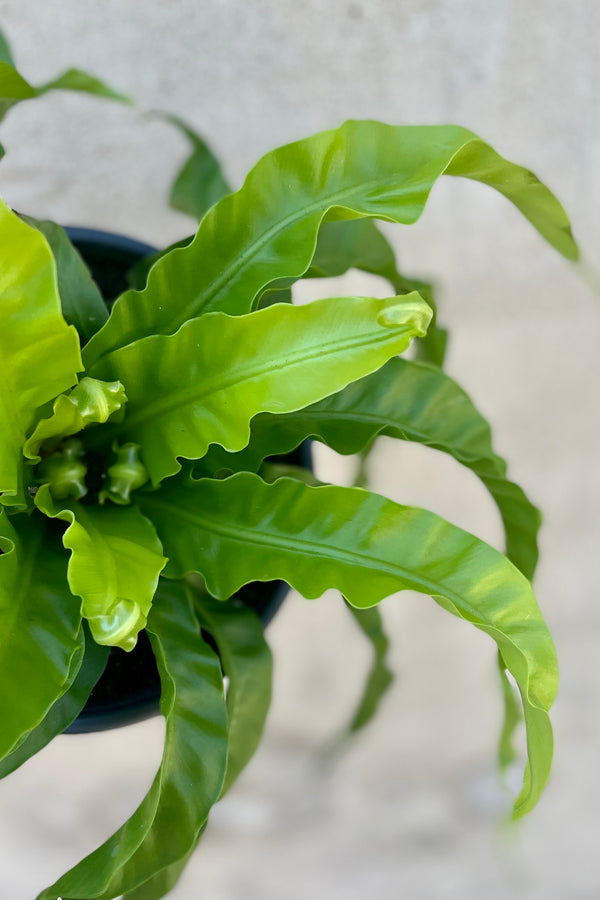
(34, 338)
(367, 547)
(116, 559)
(166, 824)
(205, 383)
(409, 401)
(268, 229)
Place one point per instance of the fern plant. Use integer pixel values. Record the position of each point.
(137, 488)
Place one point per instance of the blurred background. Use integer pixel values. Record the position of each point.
(414, 807)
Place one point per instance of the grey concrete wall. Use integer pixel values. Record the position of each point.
(412, 809)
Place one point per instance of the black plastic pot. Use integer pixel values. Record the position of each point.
(129, 689)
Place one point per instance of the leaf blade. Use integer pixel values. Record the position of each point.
(380, 677)
(66, 709)
(13, 87)
(164, 881)
(507, 753)
(116, 559)
(82, 82)
(81, 301)
(268, 229)
(166, 824)
(316, 538)
(204, 384)
(33, 336)
(200, 183)
(359, 244)
(248, 664)
(409, 401)
(40, 633)
(5, 52)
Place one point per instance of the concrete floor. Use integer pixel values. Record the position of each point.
(414, 808)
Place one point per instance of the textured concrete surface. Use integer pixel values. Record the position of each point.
(413, 808)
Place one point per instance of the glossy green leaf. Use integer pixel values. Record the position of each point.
(513, 716)
(353, 244)
(240, 530)
(200, 183)
(83, 82)
(5, 53)
(274, 294)
(83, 677)
(166, 824)
(204, 384)
(359, 244)
(268, 229)
(361, 476)
(247, 662)
(34, 338)
(39, 625)
(90, 402)
(272, 470)
(115, 562)
(380, 677)
(13, 87)
(75, 665)
(410, 401)
(137, 275)
(80, 298)
(165, 880)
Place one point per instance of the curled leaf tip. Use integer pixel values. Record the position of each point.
(98, 400)
(90, 402)
(119, 627)
(65, 472)
(127, 474)
(412, 311)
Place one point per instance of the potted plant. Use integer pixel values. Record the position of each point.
(138, 487)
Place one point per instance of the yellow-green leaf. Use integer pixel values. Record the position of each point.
(204, 384)
(91, 401)
(39, 352)
(115, 562)
(268, 229)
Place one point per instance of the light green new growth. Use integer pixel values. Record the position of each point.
(90, 402)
